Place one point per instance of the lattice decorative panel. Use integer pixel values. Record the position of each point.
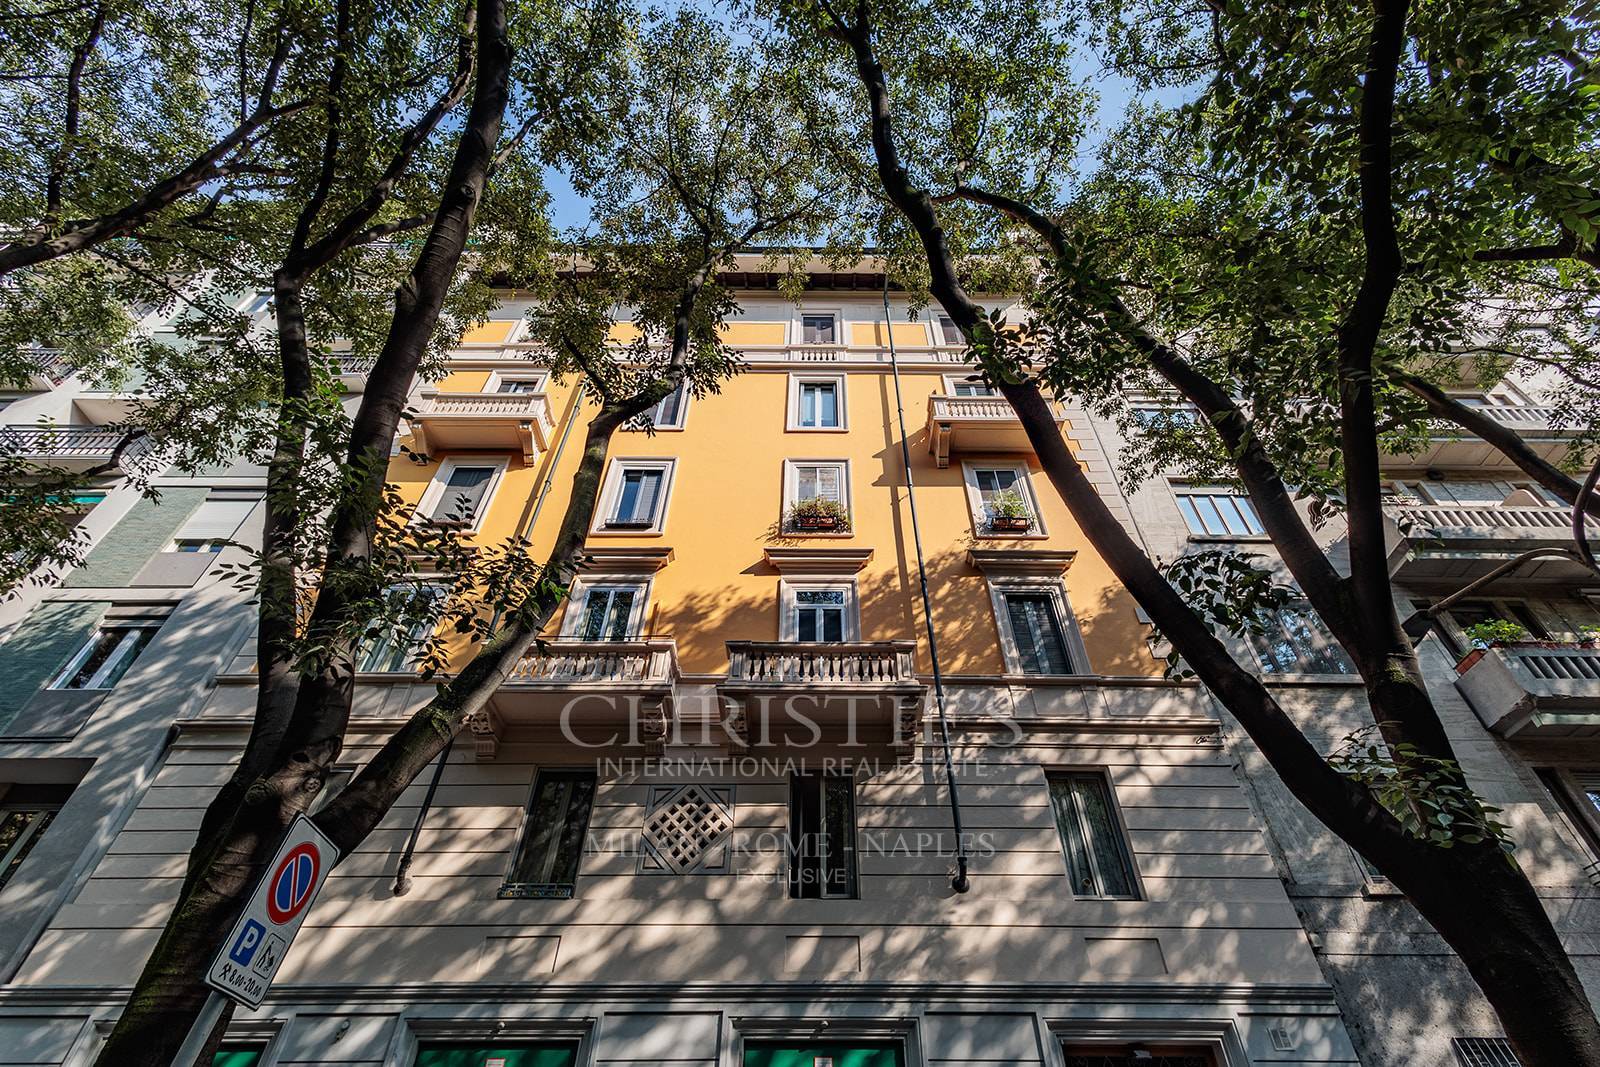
(688, 829)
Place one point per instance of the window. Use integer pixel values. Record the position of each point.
(460, 493)
(212, 525)
(26, 811)
(547, 861)
(527, 384)
(1218, 512)
(822, 836)
(606, 611)
(1484, 1052)
(1488, 493)
(816, 402)
(106, 656)
(1577, 790)
(390, 652)
(1164, 416)
(819, 329)
(1037, 635)
(819, 614)
(949, 332)
(1002, 501)
(1091, 835)
(971, 388)
(816, 497)
(668, 414)
(635, 496)
(256, 303)
(1297, 642)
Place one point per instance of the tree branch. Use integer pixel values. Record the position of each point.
(58, 166)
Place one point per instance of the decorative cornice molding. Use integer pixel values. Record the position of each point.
(1021, 562)
(832, 561)
(624, 560)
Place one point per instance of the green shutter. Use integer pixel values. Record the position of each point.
(764, 1054)
(237, 1057)
(540, 1055)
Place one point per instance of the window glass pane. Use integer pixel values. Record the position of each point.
(558, 817)
(127, 650)
(636, 503)
(106, 657)
(463, 494)
(607, 615)
(1041, 646)
(1210, 517)
(821, 836)
(1098, 858)
(1105, 836)
(390, 652)
(20, 830)
(817, 329)
(819, 404)
(817, 482)
(1297, 642)
(1190, 515)
(948, 331)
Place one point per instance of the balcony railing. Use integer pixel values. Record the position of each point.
(975, 424)
(566, 662)
(50, 367)
(60, 442)
(1536, 690)
(791, 663)
(484, 420)
(1522, 418)
(1488, 522)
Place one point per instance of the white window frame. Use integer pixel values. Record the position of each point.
(578, 602)
(116, 657)
(791, 495)
(950, 381)
(969, 476)
(540, 378)
(788, 625)
(838, 383)
(936, 329)
(413, 657)
(636, 425)
(1180, 489)
(441, 481)
(613, 488)
(1056, 590)
(248, 306)
(797, 327)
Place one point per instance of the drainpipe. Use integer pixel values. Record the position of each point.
(402, 874)
(960, 882)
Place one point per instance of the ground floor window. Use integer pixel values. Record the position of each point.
(783, 1054)
(540, 1054)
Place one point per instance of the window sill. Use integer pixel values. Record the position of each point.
(834, 534)
(1312, 679)
(1011, 535)
(1230, 539)
(625, 531)
(817, 429)
(535, 891)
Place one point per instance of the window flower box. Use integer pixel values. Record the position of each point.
(1010, 524)
(818, 515)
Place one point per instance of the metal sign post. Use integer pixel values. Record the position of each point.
(255, 948)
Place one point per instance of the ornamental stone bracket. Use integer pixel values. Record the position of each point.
(486, 730)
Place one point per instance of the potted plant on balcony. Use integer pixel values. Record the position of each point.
(1490, 633)
(819, 515)
(1008, 513)
(1589, 637)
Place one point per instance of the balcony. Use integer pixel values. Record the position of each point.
(50, 368)
(975, 424)
(1535, 690)
(486, 421)
(867, 687)
(68, 447)
(1451, 447)
(352, 371)
(1452, 542)
(620, 689)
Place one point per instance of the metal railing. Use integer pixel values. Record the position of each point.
(564, 662)
(49, 364)
(863, 663)
(68, 442)
(1557, 664)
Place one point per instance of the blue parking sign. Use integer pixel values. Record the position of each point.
(245, 945)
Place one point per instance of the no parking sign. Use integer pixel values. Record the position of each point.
(255, 949)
